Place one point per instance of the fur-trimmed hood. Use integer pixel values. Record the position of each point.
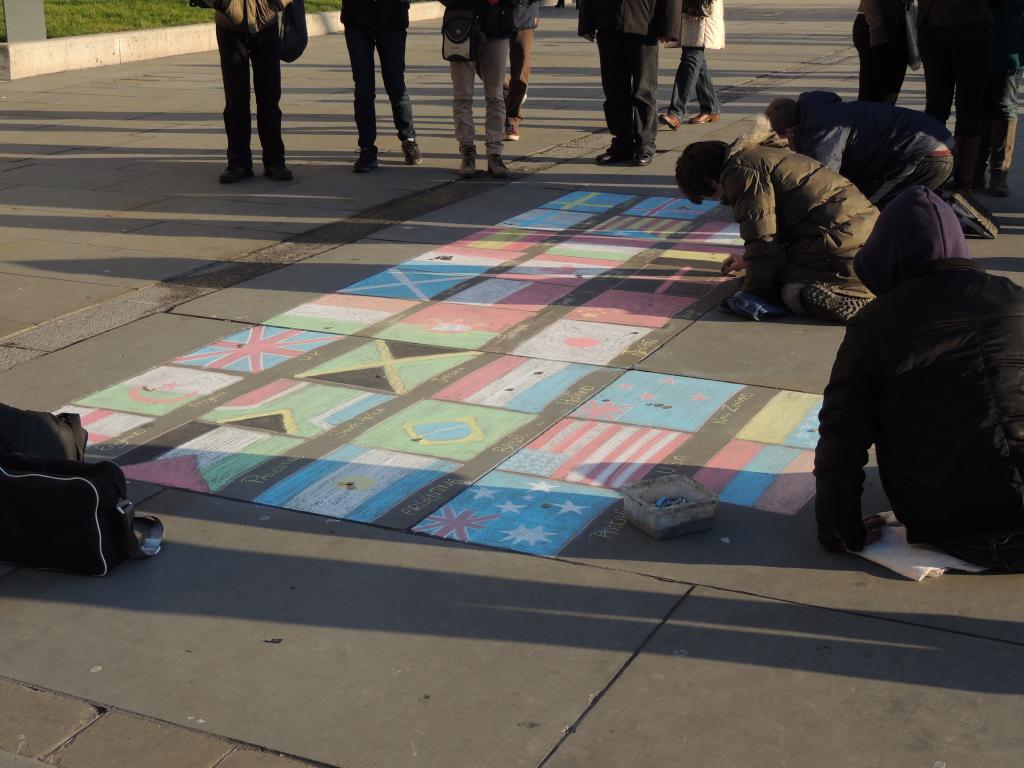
(759, 133)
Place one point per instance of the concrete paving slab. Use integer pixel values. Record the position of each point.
(343, 643)
(730, 677)
(10, 760)
(250, 758)
(34, 723)
(22, 294)
(791, 353)
(191, 239)
(121, 741)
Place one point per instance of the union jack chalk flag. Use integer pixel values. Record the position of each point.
(256, 349)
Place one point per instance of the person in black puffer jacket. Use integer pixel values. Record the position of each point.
(932, 373)
(380, 25)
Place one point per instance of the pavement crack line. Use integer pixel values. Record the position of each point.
(615, 678)
(164, 296)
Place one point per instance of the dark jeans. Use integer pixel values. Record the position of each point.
(884, 67)
(693, 77)
(263, 51)
(520, 53)
(629, 78)
(390, 47)
(1004, 551)
(956, 63)
(930, 172)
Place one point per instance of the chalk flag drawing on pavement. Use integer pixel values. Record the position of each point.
(671, 208)
(773, 478)
(393, 366)
(640, 227)
(525, 295)
(462, 326)
(603, 247)
(658, 400)
(419, 281)
(651, 310)
(718, 233)
(789, 418)
(547, 219)
(581, 341)
(454, 431)
(507, 239)
(295, 408)
(212, 460)
(524, 514)
(589, 202)
(159, 391)
(103, 425)
(341, 313)
(356, 483)
(570, 271)
(516, 383)
(596, 453)
(256, 349)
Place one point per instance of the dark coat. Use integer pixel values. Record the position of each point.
(527, 14)
(932, 373)
(953, 13)
(375, 14)
(867, 142)
(800, 222)
(651, 18)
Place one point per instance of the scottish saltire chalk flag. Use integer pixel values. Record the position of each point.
(773, 478)
(420, 280)
(588, 202)
(524, 514)
(356, 483)
(516, 383)
(596, 453)
(256, 349)
(671, 208)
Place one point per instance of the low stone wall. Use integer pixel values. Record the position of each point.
(18, 60)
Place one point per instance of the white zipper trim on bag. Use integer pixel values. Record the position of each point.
(96, 509)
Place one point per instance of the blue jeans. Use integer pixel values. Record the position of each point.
(390, 47)
(693, 77)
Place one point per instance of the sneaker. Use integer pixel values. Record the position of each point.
(367, 161)
(235, 173)
(411, 150)
(496, 167)
(511, 133)
(467, 168)
(643, 156)
(277, 172)
(825, 303)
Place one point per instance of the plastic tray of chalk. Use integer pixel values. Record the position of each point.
(670, 506)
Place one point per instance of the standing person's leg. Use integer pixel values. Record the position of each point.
(893, 66)
(520, 53)
(493, 56)
(707, 97)
(690, 61)
(939, 74)
(867, 76)
(618, 101)
(1003, 129)
(463, 78)
(391, 49)
(234, 69)
(360, 43)
(265, 52)
(971, 58)
(643, 65)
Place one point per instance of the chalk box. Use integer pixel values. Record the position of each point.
(695, 510)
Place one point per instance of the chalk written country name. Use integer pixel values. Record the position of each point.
(643, 347)
(513, 332)
(270, 474)
(429, 499)
(358, 421)
(727, 410)
(208, 400)
(120, 441)
(510, 444)
(577, 396)
(614, 526)
(454, 373)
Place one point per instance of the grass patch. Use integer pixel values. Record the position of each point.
(65, 18)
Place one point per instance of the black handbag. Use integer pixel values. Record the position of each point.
(70, 516)
(41, 434)
(699, 8)
(292, 27)
(913, 52)
(461, 34)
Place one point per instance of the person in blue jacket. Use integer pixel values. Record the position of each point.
(881, 148)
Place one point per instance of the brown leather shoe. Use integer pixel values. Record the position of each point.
(705, 117)
(670, 120)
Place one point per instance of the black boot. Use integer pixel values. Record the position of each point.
(235, 173)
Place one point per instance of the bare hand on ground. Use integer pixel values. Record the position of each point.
(734, 263)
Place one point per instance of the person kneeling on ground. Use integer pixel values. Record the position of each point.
(802, 224)
(247, 33)
(880, 148)
(930, 373)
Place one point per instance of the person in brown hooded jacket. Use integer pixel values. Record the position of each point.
(802, 223)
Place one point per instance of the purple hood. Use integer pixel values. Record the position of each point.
(915, 228)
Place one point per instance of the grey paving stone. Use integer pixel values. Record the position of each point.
(249, 758)
(733, 680)
(340, 642)
(10, 760)
(32, 723)
(122, 741)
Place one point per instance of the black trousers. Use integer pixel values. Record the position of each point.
(884, 67)
(956, 64)
(629, 77)
(263, 51)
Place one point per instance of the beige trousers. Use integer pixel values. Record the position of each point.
(493, 58)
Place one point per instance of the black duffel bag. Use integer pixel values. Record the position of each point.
(70, 516)
(41, 434)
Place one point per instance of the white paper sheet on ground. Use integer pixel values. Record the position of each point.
(915, 561)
